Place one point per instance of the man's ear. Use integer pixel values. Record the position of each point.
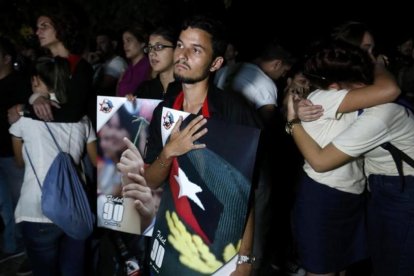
(216, 64)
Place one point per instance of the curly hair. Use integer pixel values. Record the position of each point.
(70, 26)
(338, 62)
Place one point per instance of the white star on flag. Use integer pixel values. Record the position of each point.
(188, 188)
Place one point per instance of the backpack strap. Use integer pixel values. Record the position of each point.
(402, 155)
(30, 160)
(398, 156)
(31, 164)
(53, 137)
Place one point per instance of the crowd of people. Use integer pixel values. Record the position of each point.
(345, 199)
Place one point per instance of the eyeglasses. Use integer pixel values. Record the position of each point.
(156, 48)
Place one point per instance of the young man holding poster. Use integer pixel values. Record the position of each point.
(199, 53)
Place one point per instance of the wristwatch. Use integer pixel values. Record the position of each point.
(243, 259)
(291, 124)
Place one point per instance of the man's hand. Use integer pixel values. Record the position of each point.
(131, 161)
(182, 141)
(144, 200)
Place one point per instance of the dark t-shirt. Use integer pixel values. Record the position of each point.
(14, 89)
(153, 89)
(225, 106)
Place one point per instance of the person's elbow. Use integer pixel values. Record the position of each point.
(393, 92)
(320, 165)
(389, 89)
(321, 169)
(330, 160)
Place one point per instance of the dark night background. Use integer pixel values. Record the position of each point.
(250, 22)
(296, 22)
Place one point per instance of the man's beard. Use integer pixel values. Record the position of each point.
(189, 80)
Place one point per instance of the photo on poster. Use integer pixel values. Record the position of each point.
(204, 205)
(118, 118)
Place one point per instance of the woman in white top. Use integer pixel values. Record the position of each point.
(50, 250)
(328, 216)
(391, 204)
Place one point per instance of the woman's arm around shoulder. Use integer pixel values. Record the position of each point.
(384, 90)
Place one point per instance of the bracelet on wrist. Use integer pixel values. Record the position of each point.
(291, 124)
(162, 163)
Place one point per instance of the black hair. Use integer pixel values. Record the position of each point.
(273, 49)
(139, 32)
(167, 32)
(55, 73)
(212, 26)
(111, 34)
(352, 32)
(8, 48)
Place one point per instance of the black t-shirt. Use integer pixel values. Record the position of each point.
(153, 89)
(226, 106)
